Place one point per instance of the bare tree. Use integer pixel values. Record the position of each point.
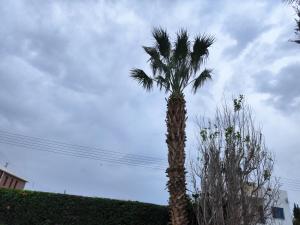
(296, 5)
(232, 178)
(292, 1)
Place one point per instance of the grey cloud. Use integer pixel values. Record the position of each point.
(246, 25)
(280, 47)
(69, 81)
(65, 51)
(243, 30)
(282, 87)
(64, 75)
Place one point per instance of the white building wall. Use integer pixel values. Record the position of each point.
(283, 202)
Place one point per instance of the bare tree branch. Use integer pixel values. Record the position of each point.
(232, 179)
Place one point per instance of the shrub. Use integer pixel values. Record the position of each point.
(41, 208)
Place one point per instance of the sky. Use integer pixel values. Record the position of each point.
(64, 75)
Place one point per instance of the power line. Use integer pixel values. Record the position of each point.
(40, 147)
(99, 154)
(69, 145)
(80, 151)
(292, 187)
(291, 180)
(290, 184)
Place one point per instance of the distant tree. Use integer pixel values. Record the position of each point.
(232, 178)
(174, 67)
(298, 26)
(296, 212)
(296, 5)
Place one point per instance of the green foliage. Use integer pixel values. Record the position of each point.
(175, 66)
(203, 134)
(228, 132)
(296, 212)
(142, 78)
(40, 208)
(267, 174)
(199, 81)
(237, 103)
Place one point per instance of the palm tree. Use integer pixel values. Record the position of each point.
(174, 67)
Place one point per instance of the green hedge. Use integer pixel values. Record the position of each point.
(40, 208)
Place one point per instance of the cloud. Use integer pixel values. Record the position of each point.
(243, 32)
(282, 87)
(64, 75)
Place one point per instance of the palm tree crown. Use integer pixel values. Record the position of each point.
(175, 67)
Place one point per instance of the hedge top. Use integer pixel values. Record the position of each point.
(42, 208)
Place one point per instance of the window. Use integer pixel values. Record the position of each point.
(277, 213)
(1, 172)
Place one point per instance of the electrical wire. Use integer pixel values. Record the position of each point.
(79, 151)
(99, 154)
(68, 145)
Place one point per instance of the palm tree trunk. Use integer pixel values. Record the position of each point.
(176, 123)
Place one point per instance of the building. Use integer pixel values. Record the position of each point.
(281, 211)
(10, 180)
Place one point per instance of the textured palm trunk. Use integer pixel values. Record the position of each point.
(176, 122)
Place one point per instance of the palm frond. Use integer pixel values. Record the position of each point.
(163, 42)
(142, 78)
(183, 76)
(199, 81)
(174, 66)
(162, 82)
(182, 46)
(155, 62)
(152, 52)
(157, 67)
(200, 50)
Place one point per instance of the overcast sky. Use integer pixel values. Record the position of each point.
(64, 74)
